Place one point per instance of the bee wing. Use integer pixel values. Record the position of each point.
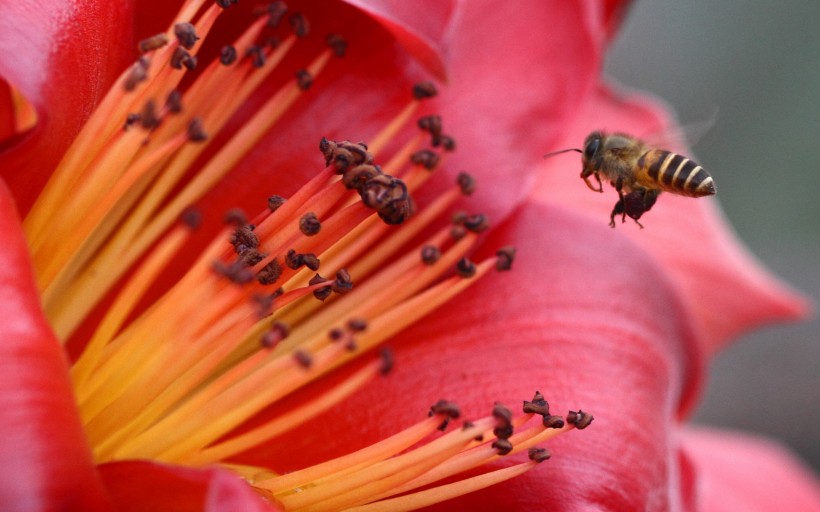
(676, 138)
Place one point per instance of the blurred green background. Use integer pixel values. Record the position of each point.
(758, 63)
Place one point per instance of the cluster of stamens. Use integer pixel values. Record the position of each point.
(240, 328)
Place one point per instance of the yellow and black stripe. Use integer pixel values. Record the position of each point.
(676, 173)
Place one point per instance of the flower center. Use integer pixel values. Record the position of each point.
(174, 364)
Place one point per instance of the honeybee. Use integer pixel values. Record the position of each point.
(638, 173)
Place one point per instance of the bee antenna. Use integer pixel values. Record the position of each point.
(562, 151)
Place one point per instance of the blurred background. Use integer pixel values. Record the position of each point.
(758, 64)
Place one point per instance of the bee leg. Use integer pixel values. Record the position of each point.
(619, 185)
(589, 185)
(618, 209)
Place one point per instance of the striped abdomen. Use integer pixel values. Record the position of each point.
(676, 173)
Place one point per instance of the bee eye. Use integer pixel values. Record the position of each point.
(592, 147)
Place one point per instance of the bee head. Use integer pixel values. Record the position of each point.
(592, 153)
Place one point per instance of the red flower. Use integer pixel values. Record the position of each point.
(620, 322)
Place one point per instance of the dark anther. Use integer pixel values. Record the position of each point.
(426, 157)
(275, 12)
(131, 119)
(357, 177)
(226, 3)
(344, 154)
(186, 34)
(537, 406)
(458, 232)
(191, 217)
(269, 339)
(431, 124)
(235, 217)
(236, 272)
(466, 183)
(153, 42)
(227, 55)
(502, 446)
(148, 116)
(272, 42)
(537, 454)
(336, 43)
(503, 422)
(505, 255)
(343, 282)
(303, 357)
(323, 292)
(388, 196)
(477, 223)
(553, 421)
(311, 261)
(430, 254)
(174, 102)
(424, 90)
(274, 202)
(243, 239)
(281, 329)
(196, 133)
(388, 360)
(304, 79)
(448, 409)
(137, 74)
(182, 58)
(257, 56)
(459, 217)
(264, 304)
(579, 418)
(294, 260)
(398, 211)
(336, 334)
(381, 190)
(251, 257)
(357, 324)
(445, 142)
(270, 273)
(299, 24)
(465, 268)
(309, 224)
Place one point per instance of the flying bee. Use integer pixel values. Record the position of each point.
(638, 173)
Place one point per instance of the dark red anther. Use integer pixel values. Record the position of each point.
(423, 90)
(186, 34)
(505, 255)
(153, 42)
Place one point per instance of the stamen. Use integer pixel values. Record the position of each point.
(153, 42)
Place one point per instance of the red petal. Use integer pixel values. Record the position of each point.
(46, 463)
(62, 55)
(142, 485)
(418, 26)
(723, 285)
(568, 320)
(735, 471)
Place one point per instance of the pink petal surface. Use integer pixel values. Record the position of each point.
(419, 26)
(136, 486)
(724, 286)
(737, 471)
(61, 55)
(46, 463)
(615, 345)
